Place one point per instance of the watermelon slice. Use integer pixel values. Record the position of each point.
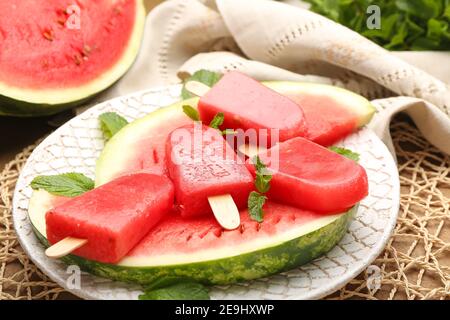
(331, 113)
(342, 107)
(198, 249)
(56, 54)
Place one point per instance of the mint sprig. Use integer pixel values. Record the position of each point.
(256, 200)
(262, 181)
(217, 121)
(70, 184)
(207, 77)
(346, 153)
(255, 204)
(191, 112)
(180, 291)
(111, 123)
(403, 24)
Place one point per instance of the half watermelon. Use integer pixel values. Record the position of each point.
(56, 54)
(198, 249)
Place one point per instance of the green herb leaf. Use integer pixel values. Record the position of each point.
(191, 112)
(207, 77)
(346, 153)
(262, 180)
(255, 204)
(256, 200)
(217, 121)
(228, 131)
(180, 291)
(67, 184)
(111, 123)
(405, 24)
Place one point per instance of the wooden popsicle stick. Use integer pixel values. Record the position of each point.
(225, 211)
(64, 247)
(196, 88)
(250, 150)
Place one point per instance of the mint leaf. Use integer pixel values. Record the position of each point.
(228, 131)
(256, 200)
(405, 24)
(180, 291)
(217, 121)
(263, 178)
(191, 112)
(207, 77)
(346, 153)
(111, 123)
(67, 184)
(255, 205)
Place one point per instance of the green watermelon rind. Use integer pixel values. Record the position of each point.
(17, 108)
(20, 102)
(353, 102)
(260, 263)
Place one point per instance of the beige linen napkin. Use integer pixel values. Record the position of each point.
(273, 40)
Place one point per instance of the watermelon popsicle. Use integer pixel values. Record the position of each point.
(203, 166)
(247, 104)
(110, 220)
(309, 176)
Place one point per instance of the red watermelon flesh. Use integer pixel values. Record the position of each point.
(248, 104)
(153, 157)
(327, 121)
(309, 176)
(177, 235)
(39, 50)
(202, 164)
(114, 217)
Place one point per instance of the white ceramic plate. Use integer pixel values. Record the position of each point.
(76, 145)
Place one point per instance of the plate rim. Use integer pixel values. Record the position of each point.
(316, 293)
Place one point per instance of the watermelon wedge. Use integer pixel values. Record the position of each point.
(331, 113)
(56, 54)
(198, 249)
(343, 113)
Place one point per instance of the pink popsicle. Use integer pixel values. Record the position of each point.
(247, 104)
(201, 164)
(114, 217)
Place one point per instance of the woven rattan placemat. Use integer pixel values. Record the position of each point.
(414, 265)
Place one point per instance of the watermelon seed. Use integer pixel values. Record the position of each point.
(258, 226)
(241, 228)
(189, 237)
(61, 21)
(155, 156)
(48, 34)
(218, 232)
(86, 50)
(118, 10)
(77, 59)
